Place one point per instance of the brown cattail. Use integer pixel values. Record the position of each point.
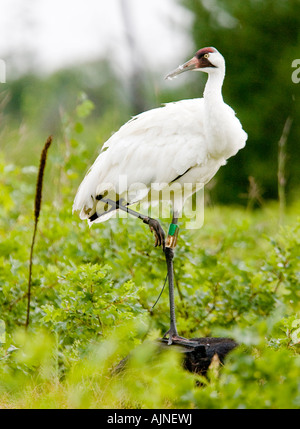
(37, 209)
(39, 183)
(281, 173)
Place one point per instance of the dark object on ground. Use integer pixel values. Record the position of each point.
(199, 352)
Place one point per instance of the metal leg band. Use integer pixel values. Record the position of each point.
(171, 240)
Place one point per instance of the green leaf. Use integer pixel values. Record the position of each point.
(2, 332)
(85, 108)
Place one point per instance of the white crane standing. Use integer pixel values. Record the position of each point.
(182, 142)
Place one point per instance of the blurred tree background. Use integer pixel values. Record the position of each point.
(259, 41)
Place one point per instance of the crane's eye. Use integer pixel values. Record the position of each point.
(206, 55)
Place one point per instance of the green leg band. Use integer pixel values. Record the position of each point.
(173, 229)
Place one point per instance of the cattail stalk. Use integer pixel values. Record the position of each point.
(37, 209)
(281, 167)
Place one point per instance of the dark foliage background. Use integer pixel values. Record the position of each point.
(259, 41)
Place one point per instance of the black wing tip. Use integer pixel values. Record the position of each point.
(93, 217)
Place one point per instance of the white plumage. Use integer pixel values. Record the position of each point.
(185, 141)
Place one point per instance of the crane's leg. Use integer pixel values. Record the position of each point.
(169, 253)
(154, 225)
(168, 248)
(171, 242)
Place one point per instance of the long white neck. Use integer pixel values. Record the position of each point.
(213, 87)
(215, 122)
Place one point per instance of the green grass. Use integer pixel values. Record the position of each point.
(93, 289)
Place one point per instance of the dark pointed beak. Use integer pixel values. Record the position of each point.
(189, 65)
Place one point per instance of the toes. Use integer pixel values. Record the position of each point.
(155, 227)
(163, 241)
(160, 238)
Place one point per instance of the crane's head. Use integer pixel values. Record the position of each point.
(206, 59)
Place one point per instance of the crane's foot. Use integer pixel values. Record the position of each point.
(175, 339)
(155, 227)
(172, 336)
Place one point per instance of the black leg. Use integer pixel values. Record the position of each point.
(169, 253)
(154, 225)
(172, 332)
(171, 241)
(168, 246)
